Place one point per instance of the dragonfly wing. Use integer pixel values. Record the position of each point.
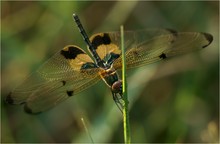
(65, 74)
(107, 44)
(71, 60)
(107, 50)
(141, 50)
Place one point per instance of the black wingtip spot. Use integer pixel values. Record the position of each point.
(29, 111)
(163, 56)
(209, 38)
(175, 33)
(69, 93)
(99, 40)
(9, 99)
(71, 52)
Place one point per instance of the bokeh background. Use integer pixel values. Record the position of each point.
(172, 101)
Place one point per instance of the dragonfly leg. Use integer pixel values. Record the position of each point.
(119, 101)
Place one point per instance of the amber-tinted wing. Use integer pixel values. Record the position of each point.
(65, 74)
(148, 46)
(107, 49)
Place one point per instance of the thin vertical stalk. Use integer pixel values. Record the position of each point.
(127, 138)
(87, 131)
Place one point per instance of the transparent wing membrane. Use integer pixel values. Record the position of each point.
(55, 81)
(148, 46)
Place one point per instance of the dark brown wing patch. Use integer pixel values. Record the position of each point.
(76, 57)
(100, 39)
(71, 52)
(105, 46)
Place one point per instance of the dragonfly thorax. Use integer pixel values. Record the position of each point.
(109, 76)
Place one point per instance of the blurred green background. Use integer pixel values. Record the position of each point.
(171, 101)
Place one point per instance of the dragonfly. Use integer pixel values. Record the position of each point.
(71, 70)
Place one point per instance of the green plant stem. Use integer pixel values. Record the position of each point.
(127, 138)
